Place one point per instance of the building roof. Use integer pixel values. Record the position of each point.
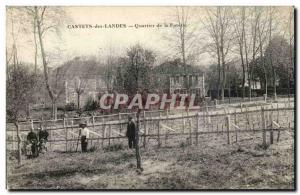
(84, 68)
(176, 68)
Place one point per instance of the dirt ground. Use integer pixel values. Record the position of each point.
(210, 165)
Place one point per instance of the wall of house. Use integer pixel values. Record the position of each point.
(196, 84)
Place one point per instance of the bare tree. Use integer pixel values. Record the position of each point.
(110, 68)
(80, 85)
(19, 86)
(46, 19)
(239, 26)
(270, 29)
(262, 36)
(220, 29)
(253, 45)
(183, 37)
(15, 102)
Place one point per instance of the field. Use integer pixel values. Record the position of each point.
(210, 165)
(177, 152)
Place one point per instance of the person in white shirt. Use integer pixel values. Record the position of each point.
(84, 132)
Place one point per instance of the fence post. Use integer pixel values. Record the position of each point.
(66, 134)
(72, 128)
(158, 131)
(183, 123)
(263, 125)
(31, 123)
(247, 117)
(103, 133)
(119, 115)
(271, 132)
(145, 128)
(13, 140)
(204, 120)
(190, 128)
(51, 136)
(109, 135)
(277, 113)
(228, 128)
(207, 113)
(93, 123)
(236, 130)
(197, 129)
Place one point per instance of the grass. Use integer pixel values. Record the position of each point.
(242, 165)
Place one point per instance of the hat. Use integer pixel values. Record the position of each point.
(82, 123)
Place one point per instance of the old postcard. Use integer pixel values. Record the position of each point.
(150, 98)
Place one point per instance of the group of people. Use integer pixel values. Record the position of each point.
(130, 134)
(37, 141)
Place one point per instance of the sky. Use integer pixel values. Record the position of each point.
(74, 41)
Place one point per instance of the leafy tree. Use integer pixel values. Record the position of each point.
(19, 94)
(280, 48)
(138, 64)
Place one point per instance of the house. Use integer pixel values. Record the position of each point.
(78, 74)
(171, 76)
(91, 86)
(190, 83)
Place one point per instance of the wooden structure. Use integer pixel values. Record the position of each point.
(159, 127)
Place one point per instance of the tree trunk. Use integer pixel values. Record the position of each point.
(222, 44)
(246, 53)
(219, 74)
(19, 143)
(54, 110)
(262, 61)
(78, 101)
(243, 68)
(250, 73)
(35, 45)
(291, 52)
(270, 56)
(229, 93)
(223, 81)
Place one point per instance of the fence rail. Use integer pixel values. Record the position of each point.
(156, 127)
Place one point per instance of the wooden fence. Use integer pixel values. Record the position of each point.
(167, 128)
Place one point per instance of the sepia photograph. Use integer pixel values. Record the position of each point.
(150, 98)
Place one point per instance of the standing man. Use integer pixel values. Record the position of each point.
(84, 132)
(131, 132)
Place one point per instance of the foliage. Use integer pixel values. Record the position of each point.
(91, 104)
(19, 91)
(114, 147)
(70, 106)
(279, 50)
(137, 65)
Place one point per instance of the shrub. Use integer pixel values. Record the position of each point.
(91, 104)
(182, 144)
(92, 149)
(70, 106)
(114, 147)
(60, 108)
